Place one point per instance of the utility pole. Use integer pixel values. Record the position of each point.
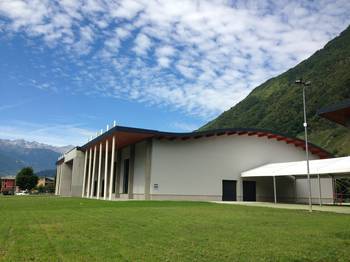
(305, 84)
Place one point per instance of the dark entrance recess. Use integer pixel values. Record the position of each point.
(95, 188)
(249, 191)
(126, 177)
(102, 187)
(114, 177)
(229, 190)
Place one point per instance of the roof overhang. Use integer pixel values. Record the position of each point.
(339, 113)
(338, 165)
(127, 135)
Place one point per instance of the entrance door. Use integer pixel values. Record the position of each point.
(229, 190)
(249, 191)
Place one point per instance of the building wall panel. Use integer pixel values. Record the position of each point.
(198, 166)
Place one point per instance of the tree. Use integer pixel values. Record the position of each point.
(41, 189)
(26, 179)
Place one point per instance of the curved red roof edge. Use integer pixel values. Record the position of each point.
(320, 152)
(316, 150)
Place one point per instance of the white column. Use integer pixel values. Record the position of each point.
(319, 190)
(56, 186)
(59, 180)
(84, 174)
(99, 172)
(295, 189)
(93, 173)
(274, 189)
(112, 169)
(89, 173)
(106, 172)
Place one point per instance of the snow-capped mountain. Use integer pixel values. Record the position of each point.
(15, 154)
(33, 145)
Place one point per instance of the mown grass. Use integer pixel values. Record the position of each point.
(72, 229)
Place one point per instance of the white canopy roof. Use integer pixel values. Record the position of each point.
(320, 166)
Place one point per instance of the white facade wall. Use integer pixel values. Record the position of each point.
(196, 167)
(70, 180)
(66, 179)
(139, 168)
(125, 154)
(326, 190)
(77, 174)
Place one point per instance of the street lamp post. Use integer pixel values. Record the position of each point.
(305, 84)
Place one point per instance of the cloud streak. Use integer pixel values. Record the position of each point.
(200, 57)
(52, 134)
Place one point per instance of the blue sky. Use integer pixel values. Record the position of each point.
(68, 68)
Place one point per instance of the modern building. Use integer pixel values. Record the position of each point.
(8, 185)
(340, 114)
(133, 163)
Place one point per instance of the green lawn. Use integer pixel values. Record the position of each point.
(72, 229)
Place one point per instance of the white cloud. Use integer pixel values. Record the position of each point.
(52, 134)
(142, 44)
(184, 127)
(164, 54)
(14, 105)
(197, 56)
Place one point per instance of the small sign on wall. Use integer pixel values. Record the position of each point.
(155, 186)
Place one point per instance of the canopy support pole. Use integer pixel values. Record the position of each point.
(295, 189)
(274, 189)
(319, 189)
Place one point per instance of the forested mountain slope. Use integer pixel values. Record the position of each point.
(277, 103)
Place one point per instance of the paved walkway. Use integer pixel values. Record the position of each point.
(327, 208)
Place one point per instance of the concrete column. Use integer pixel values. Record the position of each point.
(239, 189)
(148, 165)
(274, 189)
(93, 173)
(106, 172)
(66, 179)
(99, 172)
(131, 172)
(78, 174)
(57, 174)
(112, 169)
(59, 180)
(84, 175)
(117, 180)
(295, 189)
(89, 173)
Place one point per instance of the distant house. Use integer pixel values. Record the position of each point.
(8, 185)
(45, 181)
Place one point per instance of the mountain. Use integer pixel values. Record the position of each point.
(46, 173)
(15, 154)
(21, 143)
(277, 103)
